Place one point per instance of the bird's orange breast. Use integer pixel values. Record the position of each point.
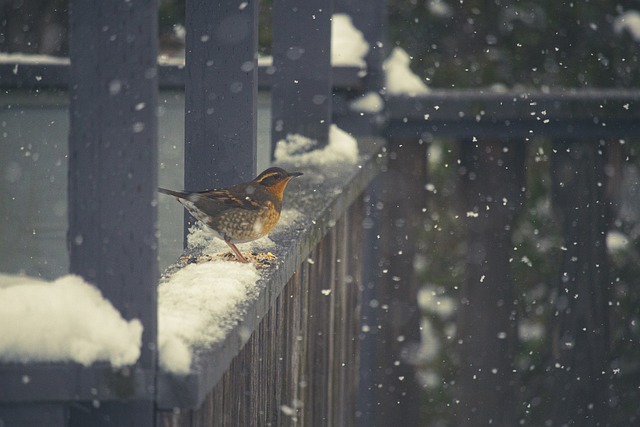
(278, 188)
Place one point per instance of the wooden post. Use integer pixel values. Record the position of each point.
(113, 172)
(370, 17)
(221, 91)
(492, 194)
(302, 83)
(581, 316)
(389, 392)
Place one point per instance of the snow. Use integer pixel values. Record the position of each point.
(10, 58)
(370, 102)
(298, 149)
(628, 21)
(399, 79)
(348, 45)
(69, 320)
(198, 306)
(61, 321)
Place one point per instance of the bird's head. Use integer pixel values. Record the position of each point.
(275, 180)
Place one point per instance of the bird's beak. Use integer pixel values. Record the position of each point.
(294, 174)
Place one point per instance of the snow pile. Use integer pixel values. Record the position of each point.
(198, 306)
(64, 320)
(200, 303)
(298, 149)
(399, 79)
(628, 21)
(348, 45)
(370, 102)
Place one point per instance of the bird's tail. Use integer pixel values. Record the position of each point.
(178, 194)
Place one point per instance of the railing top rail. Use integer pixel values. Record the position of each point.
(23, 74)
(592, 112)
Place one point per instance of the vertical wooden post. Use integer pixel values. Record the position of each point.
(370, 17)
(113, 170)
(492, 196)
(379, 379)
(389, 392)
(221, 90)
(581, 316)
(302, 82)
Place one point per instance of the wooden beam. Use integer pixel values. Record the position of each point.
(113, 168)
(302, 81)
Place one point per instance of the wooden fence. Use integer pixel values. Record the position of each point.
(339, 357)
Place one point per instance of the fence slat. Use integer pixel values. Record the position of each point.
(302, 82)
(221, 90)
(113, 162)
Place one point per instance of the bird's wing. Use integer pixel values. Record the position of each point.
(240, 200)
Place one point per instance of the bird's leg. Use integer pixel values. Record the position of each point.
(236, 251)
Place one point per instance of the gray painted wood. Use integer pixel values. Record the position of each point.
(26, 415)
(390, 307)
(221, 90)
(221, 94)
(567, 113)
(113, 414)
(370, 17)
(302, 81)
(27, 75)
(486, 385)
(63, 382)
(581, 329)
(113, 170)
(113, 156)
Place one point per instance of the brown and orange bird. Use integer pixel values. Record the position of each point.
(240, 213)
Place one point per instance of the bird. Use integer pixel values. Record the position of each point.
(240, 213)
